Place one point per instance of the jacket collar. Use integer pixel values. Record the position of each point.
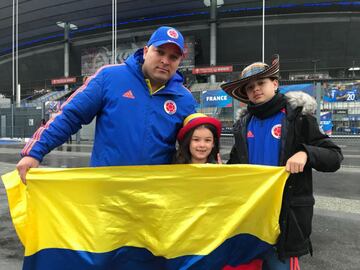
(297, 101)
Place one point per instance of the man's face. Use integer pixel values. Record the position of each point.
(161, 63)
(262, 90)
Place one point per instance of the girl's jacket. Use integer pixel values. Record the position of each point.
(299, 132)
(133, 127)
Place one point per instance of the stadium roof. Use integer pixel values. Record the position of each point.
(38, 18)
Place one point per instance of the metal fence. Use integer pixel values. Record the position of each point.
(339, 101)
(350, 145)
(19, 122)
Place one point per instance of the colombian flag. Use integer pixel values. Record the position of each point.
(169, 217)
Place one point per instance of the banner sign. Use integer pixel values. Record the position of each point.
(342, 91)
(341, 111)
(215, 98)
(61, 81)
(335, 95)
(95, 57)
(304, 87)
(215, 69)
(326, 122)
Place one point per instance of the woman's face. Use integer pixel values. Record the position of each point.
(201, 144)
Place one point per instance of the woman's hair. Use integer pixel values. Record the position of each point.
(183, 155)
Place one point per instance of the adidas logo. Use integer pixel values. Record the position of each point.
(250, 134)
(128, 94)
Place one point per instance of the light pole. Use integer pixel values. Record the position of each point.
(67, 27)
(315, 61)
(114, 32)
(317, 92)
(263, 31)
(15, 60)
(213, 4)
(353, 69)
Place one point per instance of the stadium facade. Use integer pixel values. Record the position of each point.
(317, 41)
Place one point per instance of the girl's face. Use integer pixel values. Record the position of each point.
(201, 144)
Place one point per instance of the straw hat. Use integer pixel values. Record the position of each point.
(255, 71)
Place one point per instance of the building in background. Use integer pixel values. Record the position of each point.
(317, 41)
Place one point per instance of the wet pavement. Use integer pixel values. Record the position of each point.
(336, 224)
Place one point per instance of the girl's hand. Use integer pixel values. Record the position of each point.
(219, 160)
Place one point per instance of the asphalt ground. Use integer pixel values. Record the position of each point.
(336, 223)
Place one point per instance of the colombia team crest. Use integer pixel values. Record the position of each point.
(276, 131)
(170, 107)
(173, 33)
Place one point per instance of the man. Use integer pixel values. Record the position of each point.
(139, 107)
(280, 130)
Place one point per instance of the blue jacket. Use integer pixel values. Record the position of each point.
(133, 127)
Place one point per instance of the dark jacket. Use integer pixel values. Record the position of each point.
(299, 132)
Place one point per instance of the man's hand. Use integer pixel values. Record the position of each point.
(296, 163)
(24, 165)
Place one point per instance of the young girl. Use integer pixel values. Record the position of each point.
(199, 140)
(199, 143)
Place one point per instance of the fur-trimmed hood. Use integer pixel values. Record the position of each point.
(295, 99)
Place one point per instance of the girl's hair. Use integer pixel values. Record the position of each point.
(183, 155)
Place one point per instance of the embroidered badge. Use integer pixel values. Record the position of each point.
(173, 33)
(170, 107)
(276, 131)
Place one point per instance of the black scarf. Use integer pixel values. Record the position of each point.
(269, 108)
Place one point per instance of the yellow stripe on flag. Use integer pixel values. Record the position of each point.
(171, 210)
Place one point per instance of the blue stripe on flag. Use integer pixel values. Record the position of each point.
(234, 251)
